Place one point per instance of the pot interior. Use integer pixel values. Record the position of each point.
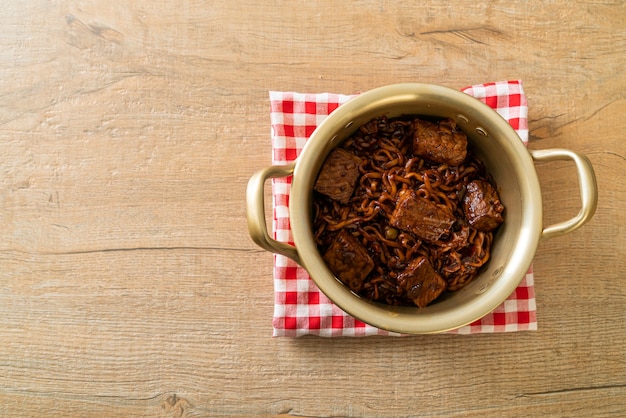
(495, 143)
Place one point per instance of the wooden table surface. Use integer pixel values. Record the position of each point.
(129, 283)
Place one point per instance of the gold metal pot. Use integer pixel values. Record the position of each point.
(507, 160)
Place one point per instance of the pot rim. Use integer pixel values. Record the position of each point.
(438, 317)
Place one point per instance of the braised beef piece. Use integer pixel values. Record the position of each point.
(338, 175)
(421, 282)
(482, 206)
(424, 218)
(440, 142)
(349, 260)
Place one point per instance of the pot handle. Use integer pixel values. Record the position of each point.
(255, 211)
(587, 186)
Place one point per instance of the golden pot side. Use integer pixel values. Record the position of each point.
(507, 160)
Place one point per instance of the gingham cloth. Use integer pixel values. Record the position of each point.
(300, 308)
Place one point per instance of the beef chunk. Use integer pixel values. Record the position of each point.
(349, 260)
(482, 206)
(338, 175)
(440, 142)
(424, 218)
(421, 282)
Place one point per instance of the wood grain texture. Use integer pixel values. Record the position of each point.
(129, 285)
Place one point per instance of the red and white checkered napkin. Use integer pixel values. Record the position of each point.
(300, 308)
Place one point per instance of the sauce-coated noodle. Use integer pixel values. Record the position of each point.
(387, 169)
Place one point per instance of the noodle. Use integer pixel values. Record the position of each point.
(388, 168)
